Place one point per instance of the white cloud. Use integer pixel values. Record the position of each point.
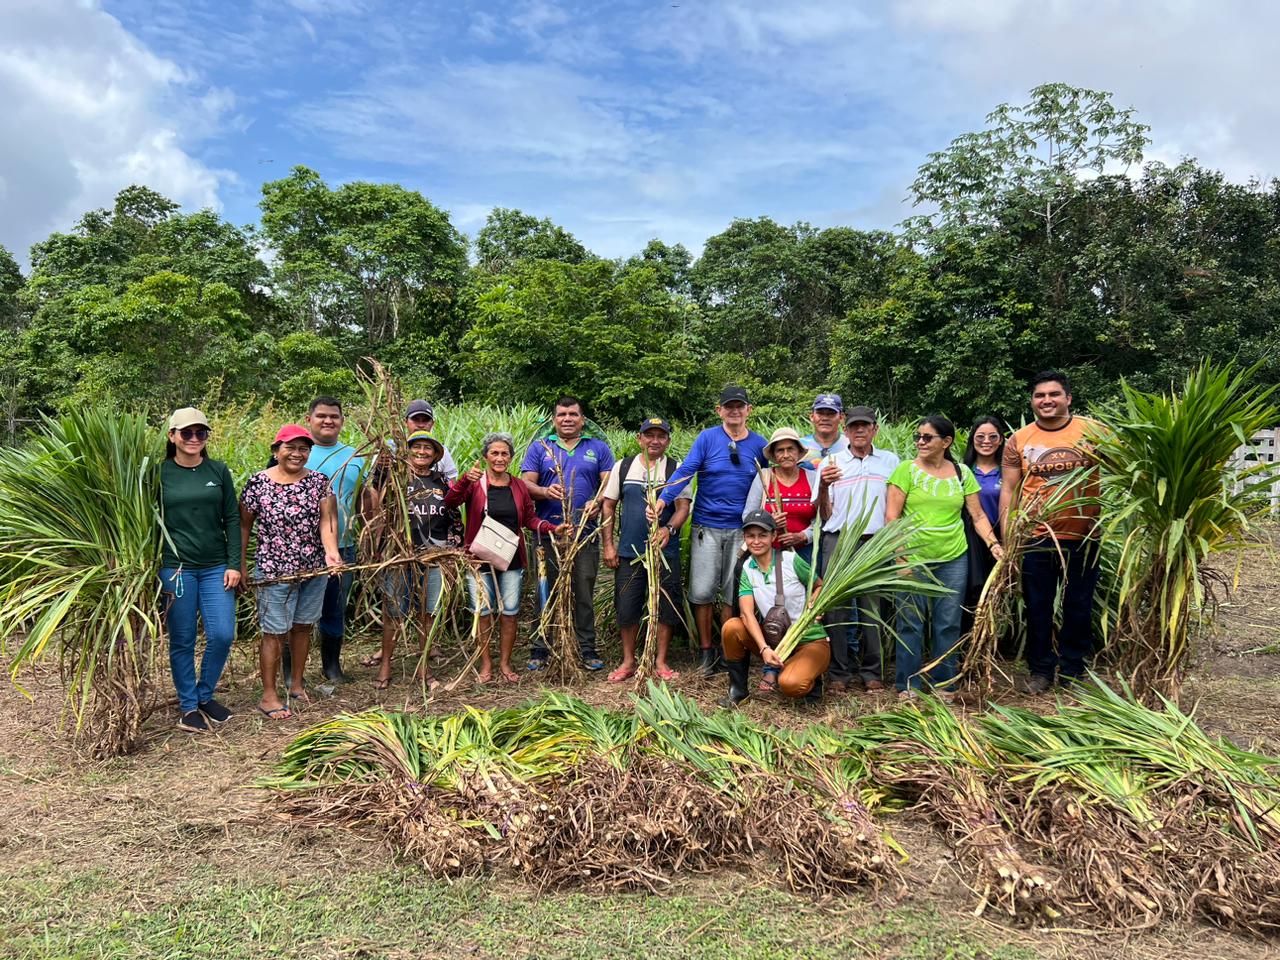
(88, 111)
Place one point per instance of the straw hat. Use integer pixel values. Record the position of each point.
(779, 435)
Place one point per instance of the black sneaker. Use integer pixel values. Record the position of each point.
(1034, 684)
(194, 722)
(216, 712)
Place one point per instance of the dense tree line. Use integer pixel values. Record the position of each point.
(1043, 244)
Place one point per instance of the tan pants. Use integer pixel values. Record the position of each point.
(799, 671)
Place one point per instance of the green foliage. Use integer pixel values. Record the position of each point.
(1175, 498)
(79, 554)
(372, 257)
(511, 236)
(611, 336)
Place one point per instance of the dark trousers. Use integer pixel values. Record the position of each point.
(854, 633)
(585, 571)
(1074, 565)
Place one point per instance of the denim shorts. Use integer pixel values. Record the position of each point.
(495, 583)
(714, 552)
(402, 589)
(282, 606)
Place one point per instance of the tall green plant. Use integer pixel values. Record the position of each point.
(1174, 497)
(79, 553)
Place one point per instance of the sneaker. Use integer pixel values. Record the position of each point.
(909, 694)
(535, 664)
(215, 712)
(193, 722)
(1034, 684)
(592, 663)
(872, 686)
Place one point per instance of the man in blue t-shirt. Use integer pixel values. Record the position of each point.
(568, 468)
(628, 491)
(339, 462)
(725, 459)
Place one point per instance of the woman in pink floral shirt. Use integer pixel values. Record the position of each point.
(296, 516)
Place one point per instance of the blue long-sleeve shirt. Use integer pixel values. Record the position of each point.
(722, 486)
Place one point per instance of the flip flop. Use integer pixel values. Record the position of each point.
(621, 674)
(371, 660)
(271, 714)
(666, 673)
(511, 677)
(381, 683)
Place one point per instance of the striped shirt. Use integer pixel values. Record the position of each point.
(861, 488)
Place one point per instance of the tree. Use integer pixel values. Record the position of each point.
(613, 336)
(510, 236)
(672, 264)
(1034, 154)
(370, 258)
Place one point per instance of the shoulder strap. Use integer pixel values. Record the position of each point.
(780, 596)
(624, 468)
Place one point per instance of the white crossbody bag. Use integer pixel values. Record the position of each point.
(495, 543)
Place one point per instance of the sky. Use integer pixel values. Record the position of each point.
(622, 121)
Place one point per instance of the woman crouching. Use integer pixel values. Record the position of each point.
(757, 595)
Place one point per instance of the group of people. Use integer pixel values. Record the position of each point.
(766, 517)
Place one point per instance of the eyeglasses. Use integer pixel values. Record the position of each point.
(194, 433)
(733, 453)
(925, 437)
(995, 438)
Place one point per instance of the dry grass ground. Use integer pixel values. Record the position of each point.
(173, 853)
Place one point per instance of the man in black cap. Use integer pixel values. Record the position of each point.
(725, 459)
(626, 495)
(422, 416)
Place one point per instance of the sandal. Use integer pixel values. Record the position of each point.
(302, 697)
(510, 676)
(768, 680)
(666, 673)
(484, 678)
(621, 674)
(275, 713)
(372, 660)
(381, 683)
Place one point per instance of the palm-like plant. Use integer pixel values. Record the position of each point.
(1173, 499)
(79, 554)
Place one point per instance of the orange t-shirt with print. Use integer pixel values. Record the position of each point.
(1047, 458)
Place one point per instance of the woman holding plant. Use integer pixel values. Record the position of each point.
(491, 495)
(982, 455)
(787, 492)
(200, 567)
(932, 491)
(772, 578)
(297, 519)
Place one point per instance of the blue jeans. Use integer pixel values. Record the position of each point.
(333, 618)
(191, 594)
(1042, 570)
(402, 589)
(501, 591)
(944, 616)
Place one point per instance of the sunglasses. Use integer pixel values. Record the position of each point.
(421, 418)
(194, 433)
(734, 458)
(925, 437)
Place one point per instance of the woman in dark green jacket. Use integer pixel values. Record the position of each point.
(200, 565)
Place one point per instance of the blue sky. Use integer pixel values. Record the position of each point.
(621, 121)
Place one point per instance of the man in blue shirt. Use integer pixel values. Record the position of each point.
(828, 436)
(583, 464)
(339, 462)
(724, 458)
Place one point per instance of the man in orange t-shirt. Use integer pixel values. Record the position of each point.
(1044, 467)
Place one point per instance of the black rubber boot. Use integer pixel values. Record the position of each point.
(814, 696)
(738, 671)
(286, 664)
(331, 659)
(708, 657)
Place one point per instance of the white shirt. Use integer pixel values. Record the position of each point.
(861, 488)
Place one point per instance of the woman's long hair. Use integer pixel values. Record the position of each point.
(944, 428)
(971, 452)
(171, 450)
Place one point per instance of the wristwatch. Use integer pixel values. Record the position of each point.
(671, 531)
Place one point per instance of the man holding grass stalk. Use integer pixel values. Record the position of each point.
(1038, 460)
(584, 464)
(725, 459)
(627, 497)
(853, 484)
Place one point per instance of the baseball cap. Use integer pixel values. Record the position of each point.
(187, 417)
(654, 423)
(861, 414)
(760, 518)
(291, 431)
(828, 401)
(731, 394)
(417, 407)
(421, 436)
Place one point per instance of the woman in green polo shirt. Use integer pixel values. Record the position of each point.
(931, 491)
(199, 566)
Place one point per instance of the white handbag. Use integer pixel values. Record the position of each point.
(495, 543)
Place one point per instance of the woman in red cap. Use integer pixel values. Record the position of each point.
(297, 519)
